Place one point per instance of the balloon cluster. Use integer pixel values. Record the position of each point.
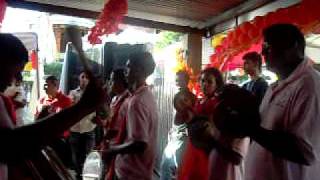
(305, 15)
(109, 19)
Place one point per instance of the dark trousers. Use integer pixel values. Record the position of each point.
(81, 144)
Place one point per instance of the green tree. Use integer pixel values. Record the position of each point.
(167, 38)
(54, 68)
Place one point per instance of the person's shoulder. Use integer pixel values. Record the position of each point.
(245, 84)
(144, 98)
(262, 80)
(64, 98)
(75, 91)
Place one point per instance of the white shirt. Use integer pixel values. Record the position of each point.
(291, 105)
(142, 125)
(5, 122)
(85, 125)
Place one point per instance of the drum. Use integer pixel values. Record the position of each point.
(93, 168)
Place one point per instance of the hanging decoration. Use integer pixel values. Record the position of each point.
(28, 66)
(181, 65)
(217, 40)
(109, 19)
(3, 7)
(305, 15)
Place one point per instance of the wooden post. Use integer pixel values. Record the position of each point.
(194, 59)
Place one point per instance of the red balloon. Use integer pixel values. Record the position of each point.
(283, 15)
(312, 7)
(229, 39)
(213, 58)
(218, 49)
(243, 39)
(245, 27)
(224, 43)
(293, 13)
(308, 13)
(253, 32)
(258, 21)
(234, 43)
(270, 19)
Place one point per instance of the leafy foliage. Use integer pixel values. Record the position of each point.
(167, 38)
(54, 68)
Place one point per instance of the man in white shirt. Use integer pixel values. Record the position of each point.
(286, 143)
(136, 156)
(82, 136)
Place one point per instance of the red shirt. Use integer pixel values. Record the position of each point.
(54, 104)
(195, 161)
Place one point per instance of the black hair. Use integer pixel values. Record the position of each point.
(144, 60)
(119, 75)
(217, 76)
(52, 79)
(19, 77)
(253, 57)
(284, 36)
(184, 74)
(12, 50)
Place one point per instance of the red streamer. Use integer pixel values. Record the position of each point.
(109, 19)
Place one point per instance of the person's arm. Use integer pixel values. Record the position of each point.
(285, 145)
(131, 147)
(205, 136)
(26, 140)
(297, 140)
(137, 123)
(226, 151)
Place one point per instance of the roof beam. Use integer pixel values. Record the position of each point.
(244, 7)
(94, 14)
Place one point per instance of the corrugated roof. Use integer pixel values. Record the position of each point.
(192, 13)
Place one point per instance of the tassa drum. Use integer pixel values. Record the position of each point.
(93, 168)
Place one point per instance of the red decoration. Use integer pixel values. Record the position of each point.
(34, 59)
(109, 19)
(305, 15)
(245, 27)
(3, 7)
(218, 49)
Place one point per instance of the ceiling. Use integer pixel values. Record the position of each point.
(187, 13)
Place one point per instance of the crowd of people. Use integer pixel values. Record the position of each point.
(254, 132)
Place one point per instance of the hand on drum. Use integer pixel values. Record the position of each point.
(202, 133)
(237, 113)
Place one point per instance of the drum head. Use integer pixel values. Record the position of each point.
(93, 167)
